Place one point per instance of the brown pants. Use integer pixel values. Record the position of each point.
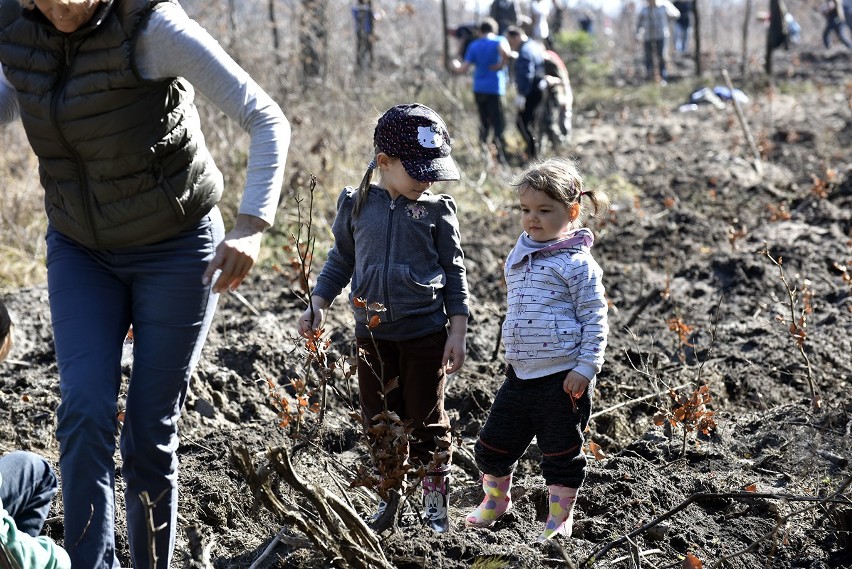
(419, 398)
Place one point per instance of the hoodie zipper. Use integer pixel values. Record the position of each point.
(387, 256)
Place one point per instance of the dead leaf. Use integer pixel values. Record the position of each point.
(596, 450)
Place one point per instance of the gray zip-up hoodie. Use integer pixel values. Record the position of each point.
(403, 254)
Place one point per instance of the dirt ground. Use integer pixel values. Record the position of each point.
(694, 302)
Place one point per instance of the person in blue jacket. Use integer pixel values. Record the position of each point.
(488, 55)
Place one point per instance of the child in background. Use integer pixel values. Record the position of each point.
(398, 244)
(555, 333)
(27, 486)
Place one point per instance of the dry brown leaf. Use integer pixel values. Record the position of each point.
(595, 448)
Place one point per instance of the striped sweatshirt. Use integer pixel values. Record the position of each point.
(556, 317)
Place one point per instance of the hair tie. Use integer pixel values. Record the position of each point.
(372, 164)
(583, 193)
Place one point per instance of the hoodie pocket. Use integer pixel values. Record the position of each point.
(411, 290)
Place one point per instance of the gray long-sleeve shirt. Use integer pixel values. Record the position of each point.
(171, 44)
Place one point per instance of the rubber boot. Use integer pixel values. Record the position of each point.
(560, 518)
(385, 513)
(436, 501)
(496, 502)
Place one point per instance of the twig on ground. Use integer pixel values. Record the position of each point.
(643, 304)
(236, 294)
(641, 554)
(781, 523)
(304, 543)
(598, 553)
(634, 401)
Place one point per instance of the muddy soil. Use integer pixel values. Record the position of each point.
(695, 301)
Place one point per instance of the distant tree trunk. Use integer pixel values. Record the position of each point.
(744, 63)
(273, 25)
(445, 34)
(232, 25)
(312, 36)
(699, 70)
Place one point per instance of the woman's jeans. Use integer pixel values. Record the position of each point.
(94, 297)
(27, 486)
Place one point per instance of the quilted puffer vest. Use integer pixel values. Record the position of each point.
(122, 160)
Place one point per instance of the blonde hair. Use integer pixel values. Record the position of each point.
(560, 180)
(5, 332)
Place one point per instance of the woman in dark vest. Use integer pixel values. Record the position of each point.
(104, 89)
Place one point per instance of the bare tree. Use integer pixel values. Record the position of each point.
(273, 25)
(312, 37)
(697, 19)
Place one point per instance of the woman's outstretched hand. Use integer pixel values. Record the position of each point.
(236, 254)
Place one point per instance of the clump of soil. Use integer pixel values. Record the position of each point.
(695, 300)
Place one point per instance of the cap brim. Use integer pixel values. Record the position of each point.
(432, 169)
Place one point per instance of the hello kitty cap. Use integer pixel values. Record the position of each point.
(416, 135)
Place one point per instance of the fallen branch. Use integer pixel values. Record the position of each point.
(595, 555)
(336, 530)
(279, 537)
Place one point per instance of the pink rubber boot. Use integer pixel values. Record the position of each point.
(560, 518)
(497, 501)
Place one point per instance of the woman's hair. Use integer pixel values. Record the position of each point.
(559, 179)
(5, 332)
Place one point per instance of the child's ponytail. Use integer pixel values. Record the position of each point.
(364, 188)
(600, 202)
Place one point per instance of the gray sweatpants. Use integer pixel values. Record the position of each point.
(527, 408)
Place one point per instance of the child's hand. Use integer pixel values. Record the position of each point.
(575, 384)
(311, 319)
(453, 353)
(454, 349)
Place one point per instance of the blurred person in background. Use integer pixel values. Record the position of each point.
(847, 14)
(652, 28)
(27, 487)
(529, 76)
(540, 27)
(834, 23)
(682, 25)
(505, 13)
(464, 35)
(488, 54)
(365, 18)
(104, 89)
